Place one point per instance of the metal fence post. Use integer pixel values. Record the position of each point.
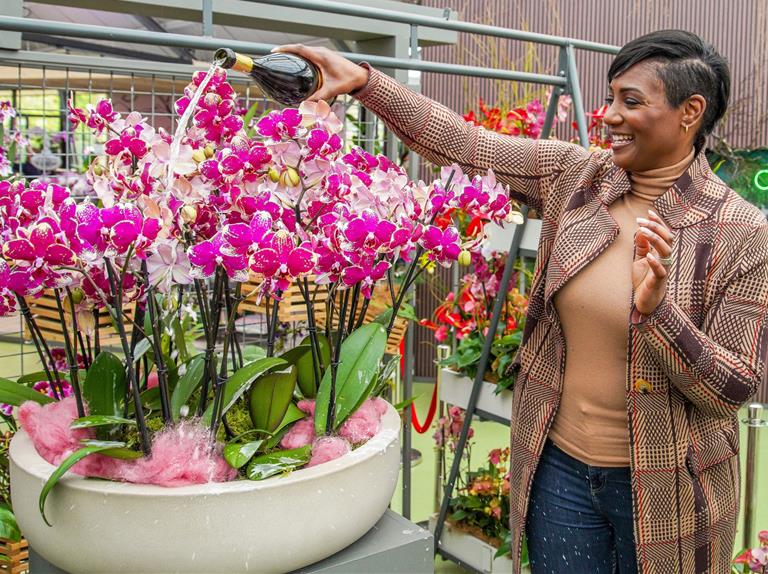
(554, 98)
(442, 353)
(575, 89)
(753, 422)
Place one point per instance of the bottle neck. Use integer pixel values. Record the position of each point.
(243, 63)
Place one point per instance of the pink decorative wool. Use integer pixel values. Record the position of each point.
(364, 423)
(327, 448)
(300, 434)
(180, 455)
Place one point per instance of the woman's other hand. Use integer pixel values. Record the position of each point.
(653, 250)
(340, 76)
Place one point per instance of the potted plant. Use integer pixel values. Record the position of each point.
(225, 452)
(477, 528)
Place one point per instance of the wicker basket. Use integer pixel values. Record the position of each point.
(292, 308)
(46, 315)
(15, 556)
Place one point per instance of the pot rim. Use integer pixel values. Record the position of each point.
(24, 455)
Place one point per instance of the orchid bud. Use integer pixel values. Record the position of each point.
(97, 170)
(465, 257)
(290, 177)
(515, 217)
(274, 175)
(209, 151)
(188, 214)
(198, 155)
(77, 295)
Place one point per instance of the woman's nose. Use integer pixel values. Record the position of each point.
(611, 118)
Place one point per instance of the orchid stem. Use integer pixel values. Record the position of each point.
(30, 320)
(331, 419)
(117, 295)
(317, 356)
(222, 378)
(157, 344)
(71, 359)
(272, 326)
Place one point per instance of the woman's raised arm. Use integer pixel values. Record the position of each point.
(442, 136)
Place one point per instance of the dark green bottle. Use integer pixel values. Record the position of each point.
(286, 78)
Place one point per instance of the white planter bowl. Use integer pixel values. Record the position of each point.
(276, 525)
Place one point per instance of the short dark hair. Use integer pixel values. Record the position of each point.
(687, 66)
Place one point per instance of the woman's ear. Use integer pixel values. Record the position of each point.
(693, 110)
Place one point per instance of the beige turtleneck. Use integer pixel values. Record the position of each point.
(591, 423)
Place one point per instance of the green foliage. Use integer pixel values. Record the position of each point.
(278, 462)
(360, 356)
(305, 366)
(239, 383)
(238, 454)
(187, 385)
(99, 421)
(9, 529)
(738, 168)
(104, 389)
(270, 396)
(69, 462)
(14, 394)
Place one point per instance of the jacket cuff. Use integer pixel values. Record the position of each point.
(373, 82)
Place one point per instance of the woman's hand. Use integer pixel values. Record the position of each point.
(653, 248)
(340, 76)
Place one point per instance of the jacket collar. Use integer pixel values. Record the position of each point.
(695, 196)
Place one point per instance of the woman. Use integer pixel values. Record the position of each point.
(646, 328)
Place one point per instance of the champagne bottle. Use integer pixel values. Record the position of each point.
(285, 78)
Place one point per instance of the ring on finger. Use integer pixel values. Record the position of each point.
(665, 261)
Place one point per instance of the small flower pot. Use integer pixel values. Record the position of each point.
(455, 389)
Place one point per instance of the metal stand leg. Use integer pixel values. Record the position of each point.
(472, 403)
(442, 353)
(754, 422)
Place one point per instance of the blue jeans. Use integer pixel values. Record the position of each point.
(580, 517)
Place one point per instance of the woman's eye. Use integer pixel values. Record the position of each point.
(609, 100)
(631, 102)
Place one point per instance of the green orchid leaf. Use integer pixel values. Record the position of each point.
(360, 356)
(104, 387)
(188, 383)
(14, 394)
(240, 382)
(32, 378)
(292, 356)
(121, 452)
(406, 403)
(68, 463)
(278, 462)
(238, 454)
(100, 420)
(270, 396)
(9, 529)
(292, 415)
(253, 352)
(141, 347)
(305, 366)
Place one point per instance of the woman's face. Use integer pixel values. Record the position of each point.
(647, 133)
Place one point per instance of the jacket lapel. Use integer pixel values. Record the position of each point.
(696, 195)
(586, 229)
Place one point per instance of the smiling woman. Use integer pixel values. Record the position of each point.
(652, 280)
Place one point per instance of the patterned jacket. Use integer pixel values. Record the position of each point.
(690, 365)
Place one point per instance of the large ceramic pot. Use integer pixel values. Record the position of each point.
(276, 525)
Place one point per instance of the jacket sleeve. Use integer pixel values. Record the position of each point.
(527, 166)
(720, 367)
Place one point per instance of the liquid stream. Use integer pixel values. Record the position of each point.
(182, 125)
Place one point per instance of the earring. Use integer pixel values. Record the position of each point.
(686, 126)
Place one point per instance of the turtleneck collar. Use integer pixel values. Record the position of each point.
(654, 183)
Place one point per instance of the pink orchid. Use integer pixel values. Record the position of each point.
(320, 115)
(129, 141)
(278, 125)
(442, 246)
(7, 298)
(321, 143)
(280, 261)
(366, 273)
(368, 232)
(207, 255)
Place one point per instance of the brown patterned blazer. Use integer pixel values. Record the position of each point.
(690, 365)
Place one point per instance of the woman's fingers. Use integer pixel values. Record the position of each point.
(659, 271)
(662, 247)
